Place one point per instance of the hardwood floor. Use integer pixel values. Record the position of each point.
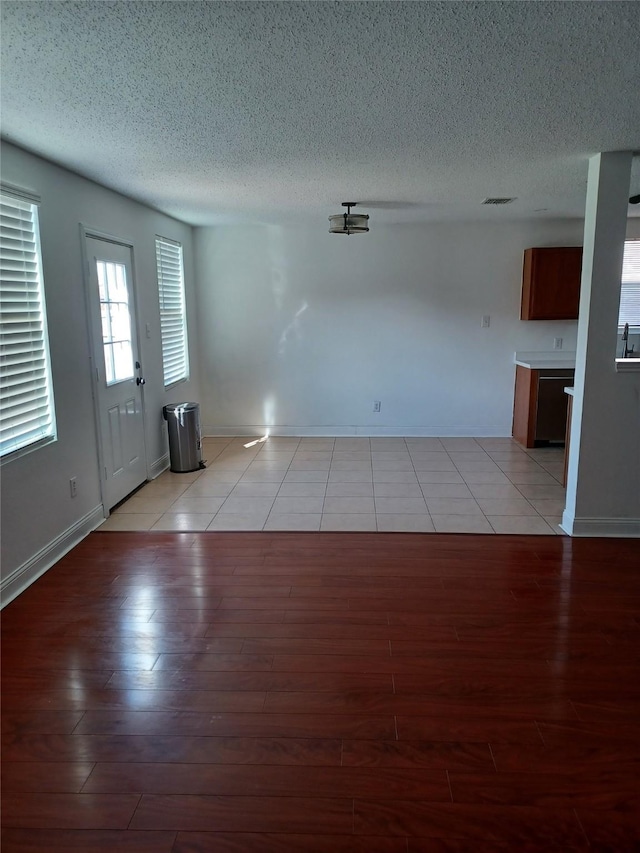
(315, 692)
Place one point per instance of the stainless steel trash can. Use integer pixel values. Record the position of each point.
(185, 441)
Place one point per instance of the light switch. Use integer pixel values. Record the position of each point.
(147, 329)
(486, 321)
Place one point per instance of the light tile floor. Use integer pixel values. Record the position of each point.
(457, 485)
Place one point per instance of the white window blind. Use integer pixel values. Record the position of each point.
(630, 290)
(26, 399)
(173, 321)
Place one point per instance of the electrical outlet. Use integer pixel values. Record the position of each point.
(73, 487)
(486, 321)
(377, 405)
(557, 343)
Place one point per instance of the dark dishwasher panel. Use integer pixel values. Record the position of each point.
(551, 413)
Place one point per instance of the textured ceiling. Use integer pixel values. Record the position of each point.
(225, 111)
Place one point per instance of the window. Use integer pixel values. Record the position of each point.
(173, 321)
(27, 413)
(630, 291)
(116, 321)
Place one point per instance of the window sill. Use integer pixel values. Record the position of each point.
(177, 382)
(29, 448)
(628, 365)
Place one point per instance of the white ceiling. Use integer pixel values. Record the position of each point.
(226, 111)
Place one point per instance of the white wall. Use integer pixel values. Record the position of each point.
(37, 509)
(300, 330)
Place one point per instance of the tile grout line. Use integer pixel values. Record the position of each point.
(264, 526)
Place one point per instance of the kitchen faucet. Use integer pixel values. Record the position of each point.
(626, 352)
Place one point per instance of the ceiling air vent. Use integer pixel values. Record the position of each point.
(498, 200)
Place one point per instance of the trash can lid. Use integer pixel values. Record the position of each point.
(181, 407)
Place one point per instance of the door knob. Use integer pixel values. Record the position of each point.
(140, 380)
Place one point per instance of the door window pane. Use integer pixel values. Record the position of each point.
(116, 322)
(122, 361)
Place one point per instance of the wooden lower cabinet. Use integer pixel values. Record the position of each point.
(525, 405)
(540, 405)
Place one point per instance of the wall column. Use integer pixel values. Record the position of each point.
(603, 485)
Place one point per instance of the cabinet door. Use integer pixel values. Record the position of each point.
(551, 415)
(525, 406)
(551, 283)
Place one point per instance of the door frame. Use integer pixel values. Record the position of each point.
(87, 231)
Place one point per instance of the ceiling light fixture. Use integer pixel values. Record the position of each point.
(349, 223)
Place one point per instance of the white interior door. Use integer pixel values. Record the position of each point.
(117, 369)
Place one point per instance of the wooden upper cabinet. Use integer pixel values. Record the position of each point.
(551, 283)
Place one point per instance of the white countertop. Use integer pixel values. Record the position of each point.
(557, 360)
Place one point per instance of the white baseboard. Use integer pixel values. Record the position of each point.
(159, 466)
(606, 527)
(339, 431)
(28, 572)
